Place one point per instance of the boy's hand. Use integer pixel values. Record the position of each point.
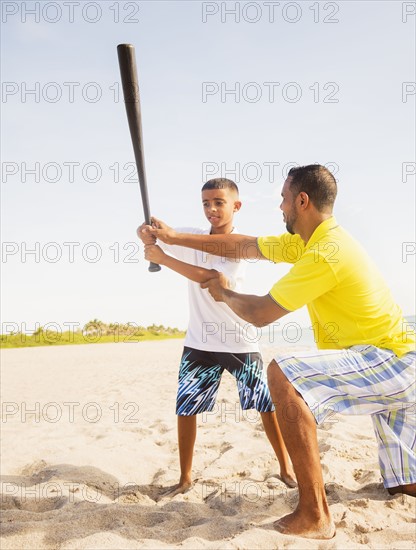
(162, 231)
(154, 253)
(216, 286)
(144, 235)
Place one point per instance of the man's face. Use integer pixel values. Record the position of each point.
(287, 206)
(219, 206)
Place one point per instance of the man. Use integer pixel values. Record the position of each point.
(366, 358)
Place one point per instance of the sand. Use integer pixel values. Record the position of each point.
(89, 444)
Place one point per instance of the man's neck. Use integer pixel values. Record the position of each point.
(310, 226)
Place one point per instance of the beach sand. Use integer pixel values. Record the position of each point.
(89, 444)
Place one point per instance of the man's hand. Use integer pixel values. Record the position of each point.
(154, 253)
(217, 286)
(144, 235)
(161, 231)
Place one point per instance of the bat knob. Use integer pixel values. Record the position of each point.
(154, 267)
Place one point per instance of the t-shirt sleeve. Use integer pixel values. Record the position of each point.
(308, 279)
(180, 252)
(173, 250)
(283, 248)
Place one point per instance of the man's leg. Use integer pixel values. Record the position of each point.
(311, 518)
(395, 434)
(271, 427)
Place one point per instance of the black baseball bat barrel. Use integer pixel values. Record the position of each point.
(130, 83)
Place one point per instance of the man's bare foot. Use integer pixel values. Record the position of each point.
(289, 479)
(403, 489)
(299, 525)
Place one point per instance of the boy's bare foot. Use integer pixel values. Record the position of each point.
(404, 489)
(289, 479)
(177, 489)
(182, 487)
(300, 525)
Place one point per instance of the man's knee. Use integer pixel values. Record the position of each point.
(276, 379)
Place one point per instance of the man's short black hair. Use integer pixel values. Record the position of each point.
(317, 182)
(220, 183)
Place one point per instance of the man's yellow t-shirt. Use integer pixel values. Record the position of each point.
(347, 298)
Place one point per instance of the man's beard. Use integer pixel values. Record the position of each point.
(289, 228)
(291, 222)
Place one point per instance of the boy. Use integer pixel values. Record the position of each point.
(216, 338)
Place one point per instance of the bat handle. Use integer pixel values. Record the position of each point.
(154, 267)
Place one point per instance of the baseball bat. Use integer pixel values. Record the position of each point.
(130, 83)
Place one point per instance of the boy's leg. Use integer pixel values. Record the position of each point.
(199, 379)
(186, 442)
(274, 435)
(254, 393)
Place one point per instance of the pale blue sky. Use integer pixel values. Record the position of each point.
(367, 135)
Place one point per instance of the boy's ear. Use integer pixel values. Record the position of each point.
(237, 206)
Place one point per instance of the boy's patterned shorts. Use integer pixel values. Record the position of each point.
(200, 375)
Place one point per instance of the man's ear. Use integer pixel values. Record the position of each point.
(303, 199)
(237, 206)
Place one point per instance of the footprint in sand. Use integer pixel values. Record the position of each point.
(161, 427)
(365, 476)
(135, 497)
(32, 504)
(38, 471)
(225, 447)
(360, 503)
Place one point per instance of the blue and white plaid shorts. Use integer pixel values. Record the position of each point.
(363, 379)
(360, 380)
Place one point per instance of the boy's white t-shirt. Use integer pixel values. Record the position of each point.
(213, 326)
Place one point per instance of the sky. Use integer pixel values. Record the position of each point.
(243, 90)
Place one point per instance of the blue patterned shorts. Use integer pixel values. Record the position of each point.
(200, 375)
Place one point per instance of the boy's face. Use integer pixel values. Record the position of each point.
(219, 206)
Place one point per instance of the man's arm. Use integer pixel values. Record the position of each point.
(228, 246)
(257, 310)
(155, 254)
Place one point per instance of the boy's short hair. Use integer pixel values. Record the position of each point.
(220, 183)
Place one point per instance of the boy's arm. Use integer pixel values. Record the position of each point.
(229, 245)
(144, 235)
(197, 274)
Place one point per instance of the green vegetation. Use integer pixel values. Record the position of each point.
(93, 332)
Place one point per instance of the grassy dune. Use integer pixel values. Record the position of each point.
(94, 332)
